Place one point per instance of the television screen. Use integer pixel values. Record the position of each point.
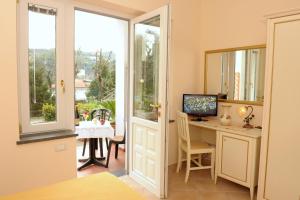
(200, 105)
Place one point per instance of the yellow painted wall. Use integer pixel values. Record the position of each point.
(185, 30)
(30, 165)
(201, 25)
(235, 23)
(142, 5)
(197, 26)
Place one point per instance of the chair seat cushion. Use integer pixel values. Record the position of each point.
(198, 146)
(117, 138)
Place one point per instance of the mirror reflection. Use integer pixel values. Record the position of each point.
(236, 75)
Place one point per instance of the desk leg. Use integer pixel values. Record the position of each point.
(217, 154)
(251, 192)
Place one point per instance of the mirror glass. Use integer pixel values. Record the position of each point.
(236, 74)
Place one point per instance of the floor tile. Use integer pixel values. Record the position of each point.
(199, 187)
(115, 165)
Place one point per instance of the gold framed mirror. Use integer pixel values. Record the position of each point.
(236, 74)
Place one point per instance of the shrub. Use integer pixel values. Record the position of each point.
(49, 112)
(88, 107)
(92, 105)
(110, 105)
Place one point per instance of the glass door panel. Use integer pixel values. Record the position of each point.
(146, 69)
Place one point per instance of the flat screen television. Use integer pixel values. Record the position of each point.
(200, 105)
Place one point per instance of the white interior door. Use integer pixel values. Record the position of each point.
(148, 89)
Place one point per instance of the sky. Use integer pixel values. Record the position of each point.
(92, 32)
(41, 31)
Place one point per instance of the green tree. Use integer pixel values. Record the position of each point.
(147, 69)
(79, 61)
(41, 79)
(104, 70)
(84, 61)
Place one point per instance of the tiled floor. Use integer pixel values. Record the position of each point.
(114, 164)
(199, 187)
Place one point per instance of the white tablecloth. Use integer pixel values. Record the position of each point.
(93, 129)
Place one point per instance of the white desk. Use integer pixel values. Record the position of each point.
(237, 153)
(234, 129)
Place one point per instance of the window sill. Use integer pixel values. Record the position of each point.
(45, 136)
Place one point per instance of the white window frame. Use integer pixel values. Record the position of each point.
(23, 68)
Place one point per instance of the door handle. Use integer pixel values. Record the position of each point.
(157, 106)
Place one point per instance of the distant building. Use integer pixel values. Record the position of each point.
(81, 88)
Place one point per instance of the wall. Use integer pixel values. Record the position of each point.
(38, 164)
(234, 23)
(197, 26)
(216, 24)
(185, 20)
(30, 165)
(201, 25)
(107, 8)
(141, 5)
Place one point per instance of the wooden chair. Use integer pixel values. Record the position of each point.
(191, 148)
(100, 114)
(118, 139)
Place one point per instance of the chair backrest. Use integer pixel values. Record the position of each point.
(183, 128)
(101, 114)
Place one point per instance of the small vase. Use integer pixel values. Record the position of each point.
(225, 118)
(102, 121)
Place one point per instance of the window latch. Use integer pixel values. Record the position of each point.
(62, 85)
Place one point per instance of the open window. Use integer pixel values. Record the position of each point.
(41, 81)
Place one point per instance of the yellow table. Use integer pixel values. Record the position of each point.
(95, 187)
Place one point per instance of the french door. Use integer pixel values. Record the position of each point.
(148, 97)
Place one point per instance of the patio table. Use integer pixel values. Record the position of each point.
(93, 130)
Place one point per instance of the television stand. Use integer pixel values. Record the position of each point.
(199, 119)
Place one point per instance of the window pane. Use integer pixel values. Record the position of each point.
(42, 64)
(146, 69)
